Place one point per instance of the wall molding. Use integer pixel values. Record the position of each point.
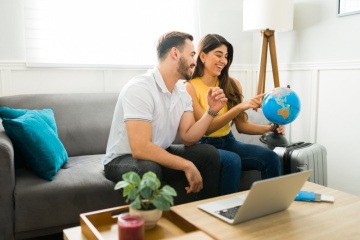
(334, 65)
(12, 65)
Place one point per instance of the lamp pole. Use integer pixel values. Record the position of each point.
(268, 41)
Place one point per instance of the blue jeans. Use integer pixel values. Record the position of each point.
(236, 156)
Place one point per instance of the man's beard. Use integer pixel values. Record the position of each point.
(183, 69)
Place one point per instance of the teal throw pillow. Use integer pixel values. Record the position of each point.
(46, 114)
(11, 113)
(37, 142)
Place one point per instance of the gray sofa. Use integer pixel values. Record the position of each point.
(31, 206)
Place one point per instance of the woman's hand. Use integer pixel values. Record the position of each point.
(278, 128)
(253, 103)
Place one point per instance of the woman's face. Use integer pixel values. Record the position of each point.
(215, 60)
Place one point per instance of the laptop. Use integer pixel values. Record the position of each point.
(264, 197)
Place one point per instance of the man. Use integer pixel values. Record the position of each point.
(151, 110)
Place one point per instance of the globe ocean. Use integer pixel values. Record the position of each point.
(281, 106)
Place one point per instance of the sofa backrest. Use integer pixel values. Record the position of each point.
(256, 117)
(83, 119)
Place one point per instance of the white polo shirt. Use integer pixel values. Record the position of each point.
(146, 98)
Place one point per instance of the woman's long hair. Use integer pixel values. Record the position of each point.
(207, 44)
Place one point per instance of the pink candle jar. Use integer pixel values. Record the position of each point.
(130, 227)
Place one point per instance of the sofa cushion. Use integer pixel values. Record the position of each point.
(80, 187)
(37, 142)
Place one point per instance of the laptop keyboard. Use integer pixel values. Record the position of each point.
(229, 212)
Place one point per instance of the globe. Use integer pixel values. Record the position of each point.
(281, 106)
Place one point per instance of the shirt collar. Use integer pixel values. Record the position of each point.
(160, 81)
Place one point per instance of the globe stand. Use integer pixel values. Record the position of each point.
(274, 139)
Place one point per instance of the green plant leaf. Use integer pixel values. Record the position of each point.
(169, 190)
(167, 198)
(132, 194)
(146, 193)
(127, 189)
(131, 177)
(149, 175)
(150, 180)
(161, 203)
(121, 184)
(136, 204)
(158, 183)
(148, 183)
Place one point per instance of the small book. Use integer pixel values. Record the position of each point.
(313, 197)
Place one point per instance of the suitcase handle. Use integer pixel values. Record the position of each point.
(295, 144)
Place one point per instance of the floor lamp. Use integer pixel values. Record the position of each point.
(266, 17)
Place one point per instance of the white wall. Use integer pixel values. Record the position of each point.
(12, 45)
(320, 59)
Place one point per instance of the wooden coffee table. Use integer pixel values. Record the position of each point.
(303, 220)
(102, 225)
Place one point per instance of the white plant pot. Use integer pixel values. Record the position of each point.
(150, 216)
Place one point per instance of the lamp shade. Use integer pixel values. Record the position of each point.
(268, 14)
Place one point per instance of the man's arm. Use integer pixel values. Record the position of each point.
(142, 148)
(190, 131)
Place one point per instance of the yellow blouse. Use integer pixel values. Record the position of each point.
(201, 95)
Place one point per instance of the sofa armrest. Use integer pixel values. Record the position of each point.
(7, 185)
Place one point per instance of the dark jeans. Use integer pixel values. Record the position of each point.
(236, 156)
(205, 157)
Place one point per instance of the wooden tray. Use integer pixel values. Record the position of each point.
(102, 225)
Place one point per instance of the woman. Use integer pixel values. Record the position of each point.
(215, 55)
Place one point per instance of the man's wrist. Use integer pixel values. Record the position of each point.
(211, 113)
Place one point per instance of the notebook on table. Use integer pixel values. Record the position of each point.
(264, 197)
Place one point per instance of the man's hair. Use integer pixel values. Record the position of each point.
(170, 40)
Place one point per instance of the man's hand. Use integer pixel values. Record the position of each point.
(194, 178)
(216, 99)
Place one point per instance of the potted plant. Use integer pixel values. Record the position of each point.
(146, 196)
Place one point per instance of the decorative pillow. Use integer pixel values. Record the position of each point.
(37, 142)
(46, 114)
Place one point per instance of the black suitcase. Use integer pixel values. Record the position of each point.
(302, 156)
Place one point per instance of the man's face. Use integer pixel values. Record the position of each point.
(186, 64)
